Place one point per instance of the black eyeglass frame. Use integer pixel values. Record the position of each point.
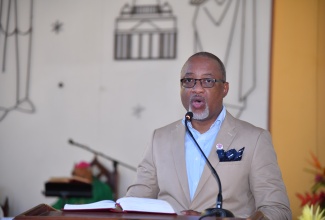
(212, 79)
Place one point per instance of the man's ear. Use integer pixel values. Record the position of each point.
(225, 89)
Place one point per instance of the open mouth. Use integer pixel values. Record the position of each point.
(197, 102)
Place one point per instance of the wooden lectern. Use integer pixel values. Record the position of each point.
(46, 212)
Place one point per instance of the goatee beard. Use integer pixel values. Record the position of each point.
(200, 116)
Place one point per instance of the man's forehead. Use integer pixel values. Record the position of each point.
(202, 74)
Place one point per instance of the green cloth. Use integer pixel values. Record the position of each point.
(100, 191)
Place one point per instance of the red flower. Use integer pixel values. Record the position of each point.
(309, 198)
(316, 197)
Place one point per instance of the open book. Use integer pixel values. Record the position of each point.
(125, 204)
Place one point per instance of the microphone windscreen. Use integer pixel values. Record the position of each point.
(189, 116)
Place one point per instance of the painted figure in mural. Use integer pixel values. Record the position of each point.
(15, 56)
(174, 169)
(227, 29)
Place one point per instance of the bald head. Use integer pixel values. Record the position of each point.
(211, 56)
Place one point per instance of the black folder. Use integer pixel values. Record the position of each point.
(65, 190)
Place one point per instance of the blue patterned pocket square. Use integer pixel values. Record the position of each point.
(230, 155)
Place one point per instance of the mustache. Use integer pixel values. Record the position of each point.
(197, 98)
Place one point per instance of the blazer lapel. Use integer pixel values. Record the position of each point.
(178, 149)
(225, 137)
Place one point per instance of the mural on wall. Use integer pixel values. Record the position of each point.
(145, 32)
(231, 26)
(142, 32)
(16, 22)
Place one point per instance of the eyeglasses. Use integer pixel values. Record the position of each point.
(205, 82)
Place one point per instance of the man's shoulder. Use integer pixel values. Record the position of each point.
(241, 124)
(171, 125)
(173, 128)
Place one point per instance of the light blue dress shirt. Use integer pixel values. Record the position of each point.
(195, 161)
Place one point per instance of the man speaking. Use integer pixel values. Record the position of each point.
(176, 170)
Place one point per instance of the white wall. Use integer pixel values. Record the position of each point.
(95, 106)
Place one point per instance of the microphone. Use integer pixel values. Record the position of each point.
(218, 211)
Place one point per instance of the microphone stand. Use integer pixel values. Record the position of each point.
(218, 211)
(101, 154)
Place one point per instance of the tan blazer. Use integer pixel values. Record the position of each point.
(254, 183)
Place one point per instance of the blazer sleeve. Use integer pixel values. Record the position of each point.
(145, 184)
(266, 180)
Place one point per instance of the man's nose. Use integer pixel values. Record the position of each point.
(197, 86)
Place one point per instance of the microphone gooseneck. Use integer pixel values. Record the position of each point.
(218, 211)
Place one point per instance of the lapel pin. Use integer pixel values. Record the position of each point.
(219, 146)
